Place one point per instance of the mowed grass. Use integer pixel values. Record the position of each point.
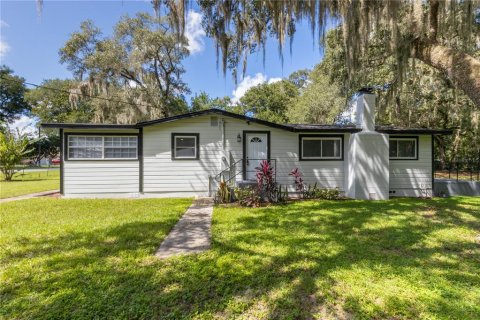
(72, 258)
(29, 182)
(396, 259)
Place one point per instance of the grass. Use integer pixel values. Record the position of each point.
(81, 258)
(30, 182)
(396, 259)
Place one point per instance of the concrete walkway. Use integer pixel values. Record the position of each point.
(192, 233)
(29, 196)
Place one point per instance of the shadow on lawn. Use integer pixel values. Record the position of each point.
(277, 262)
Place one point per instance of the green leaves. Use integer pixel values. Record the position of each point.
(12, 92)
(12, 150)
(137, 72)
(270, 101)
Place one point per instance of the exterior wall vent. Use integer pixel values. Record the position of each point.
(214, 121)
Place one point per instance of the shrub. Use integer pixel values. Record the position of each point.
(266, 181)
(224, 194)
(297, 175)
(329, 194)
(266, 189)
(12, 150)
(310, 192)
(316, 193)
(281, 194)
(248, 197)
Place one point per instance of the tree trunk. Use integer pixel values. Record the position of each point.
(461, 68)
(441, 151)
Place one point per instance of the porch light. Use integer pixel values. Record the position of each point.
(239, 138)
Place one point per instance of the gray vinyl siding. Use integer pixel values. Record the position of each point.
(99, 178)
(169, 177)
(413, 178)
(165, 177)
(284, 149)
(84, 177)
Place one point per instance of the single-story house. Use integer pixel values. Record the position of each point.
(183, 156)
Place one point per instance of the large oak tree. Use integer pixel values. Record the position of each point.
(140, 64)
(444, 35)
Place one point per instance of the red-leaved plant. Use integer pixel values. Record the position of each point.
(297, 175)
(266, 180)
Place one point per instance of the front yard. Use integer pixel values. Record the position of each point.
(30, 182)
(403, 258)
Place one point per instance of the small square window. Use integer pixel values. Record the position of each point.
(185, 146)
(405, 148)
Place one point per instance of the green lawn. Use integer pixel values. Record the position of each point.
(397, 259)
(30, 182)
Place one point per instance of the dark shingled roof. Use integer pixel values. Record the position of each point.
(89, 126)
(323, 128)
(287, 127)
(393, 130)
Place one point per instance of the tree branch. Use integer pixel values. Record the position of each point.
(129, 76)
(433, 20)
(461, 68)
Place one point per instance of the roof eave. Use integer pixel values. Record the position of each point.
(87, 126)
(219, 112)
(416, 131)
(334, 130)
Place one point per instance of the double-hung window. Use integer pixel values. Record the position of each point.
(101, 147)
(185, 146)
(403, 148)
(315, 147)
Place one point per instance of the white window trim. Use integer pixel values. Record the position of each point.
(415, 156)
(321, 146)
(103, 147)
(175, 146)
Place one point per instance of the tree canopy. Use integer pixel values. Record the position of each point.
(50, 102)
(269, 101)
(441, 34)
(12, 96)
(203, 101)
(137, 70)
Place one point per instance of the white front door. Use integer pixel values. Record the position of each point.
(256, 151)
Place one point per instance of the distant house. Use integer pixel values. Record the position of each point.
(183, 156)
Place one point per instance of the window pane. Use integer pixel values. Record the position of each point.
(85, 153)
(132, 141)
(393, 148)
(73, 141)
(331, 148)
(406, 148)
(108, 141)
(115, 153)
(185, 142)
(120, 141)
(311, 148)
(93, 141)
(185, 152)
